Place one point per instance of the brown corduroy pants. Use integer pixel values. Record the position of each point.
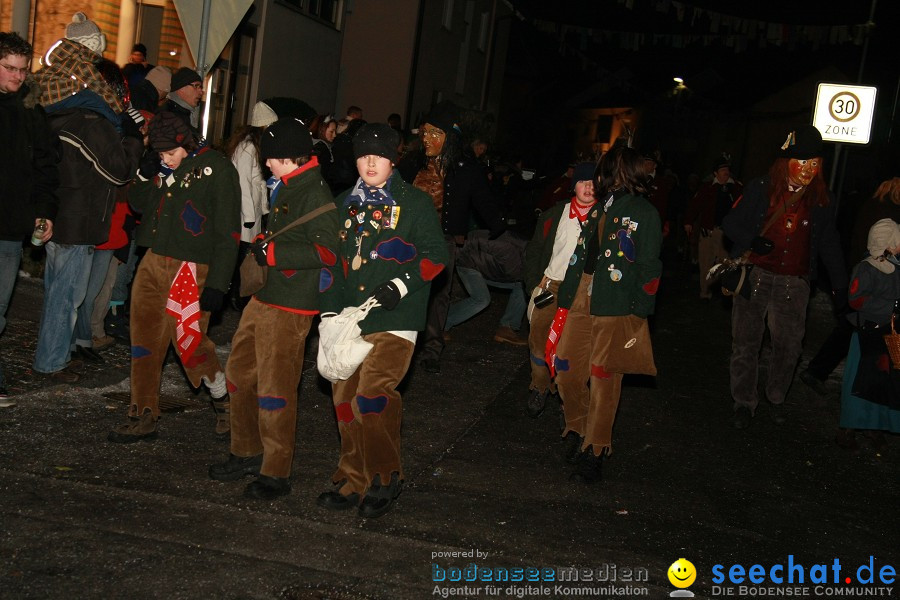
(590, 395)
(369, 411)
(263, 373)
(152, 330)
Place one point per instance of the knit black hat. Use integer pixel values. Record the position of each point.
(285, 138)
(804, 142)
(168, 131)
(723, 160)
(583, 172)
(379, 139)
(444, 116)
(139, 47)
(184, 76)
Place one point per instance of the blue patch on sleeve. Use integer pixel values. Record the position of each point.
(562, 364)
(272, 403)
(193, 220)
(371, 405)
(139, 352)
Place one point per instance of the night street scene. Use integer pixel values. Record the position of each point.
(589, 161)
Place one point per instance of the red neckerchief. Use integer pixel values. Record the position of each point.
(577, 211)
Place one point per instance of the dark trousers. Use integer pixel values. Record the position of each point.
(438, 306)
(833, 350)
(779, 302)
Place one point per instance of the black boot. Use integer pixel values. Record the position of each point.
(236, 467)
(335, 500)
(588, 469)
(537, 402)
(267, 488)
(572, 450)
(380, 498)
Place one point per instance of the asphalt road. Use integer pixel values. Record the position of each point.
(486, 485)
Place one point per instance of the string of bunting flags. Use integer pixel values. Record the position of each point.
(737, 33)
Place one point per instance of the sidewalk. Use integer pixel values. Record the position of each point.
(80, 517)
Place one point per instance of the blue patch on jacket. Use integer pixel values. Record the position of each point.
(371, 405)
(139, 352)
(193, 220)
(272, 403)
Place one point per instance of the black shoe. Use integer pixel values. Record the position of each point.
(236, 467)
(814, 383)
(573, 447)
(537, 402)
(430, 365)
(88, 354)
(267, 488)
(380, 498)
(589, 466)
(742, 418)
(334, 500)
(778, 415)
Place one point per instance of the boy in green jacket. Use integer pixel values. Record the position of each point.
(264, 368)
(391, 248)
(191, 206)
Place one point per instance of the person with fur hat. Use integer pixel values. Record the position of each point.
(706, 210)
(185, 96)
(870, 393)
(391, 249)
(263, 371)
(190, 201)
(783, 225)
(243, 149)
(29, 174)
(546, 260)
(460, 192)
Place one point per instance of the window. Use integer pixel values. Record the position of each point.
(326, 11)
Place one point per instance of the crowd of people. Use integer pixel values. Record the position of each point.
(107, 169)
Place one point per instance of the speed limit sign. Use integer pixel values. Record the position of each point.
(844, 112)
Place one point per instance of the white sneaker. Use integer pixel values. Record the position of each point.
(5, 401)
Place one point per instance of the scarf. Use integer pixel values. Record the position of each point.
(184, 304)
(363, 194)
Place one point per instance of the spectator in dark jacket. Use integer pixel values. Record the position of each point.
(28, 172)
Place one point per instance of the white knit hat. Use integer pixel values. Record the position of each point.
(883, 235)
(262, 115)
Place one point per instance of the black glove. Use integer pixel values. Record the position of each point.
(388, 295)
(149, 166)
(761, 245)
(259, 249)
(211, 300)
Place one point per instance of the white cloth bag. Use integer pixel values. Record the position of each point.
(341, 347)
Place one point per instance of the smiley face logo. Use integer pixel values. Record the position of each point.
(682, 573)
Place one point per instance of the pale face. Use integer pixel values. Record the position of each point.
(802, 171)
(374, 170)
(281, 166)
(191, 93)
(13, 69)
(329, 132)
(584, 192)
(172, 158)
(433, 139)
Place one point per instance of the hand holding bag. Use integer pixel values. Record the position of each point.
(253, 275)
(341, 347)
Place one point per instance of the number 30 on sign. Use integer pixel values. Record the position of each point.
(844, 112)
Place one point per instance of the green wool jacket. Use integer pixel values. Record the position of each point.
(539, 250)
(193, 214)
(627, 273)
(403, 242)
(303, 260)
